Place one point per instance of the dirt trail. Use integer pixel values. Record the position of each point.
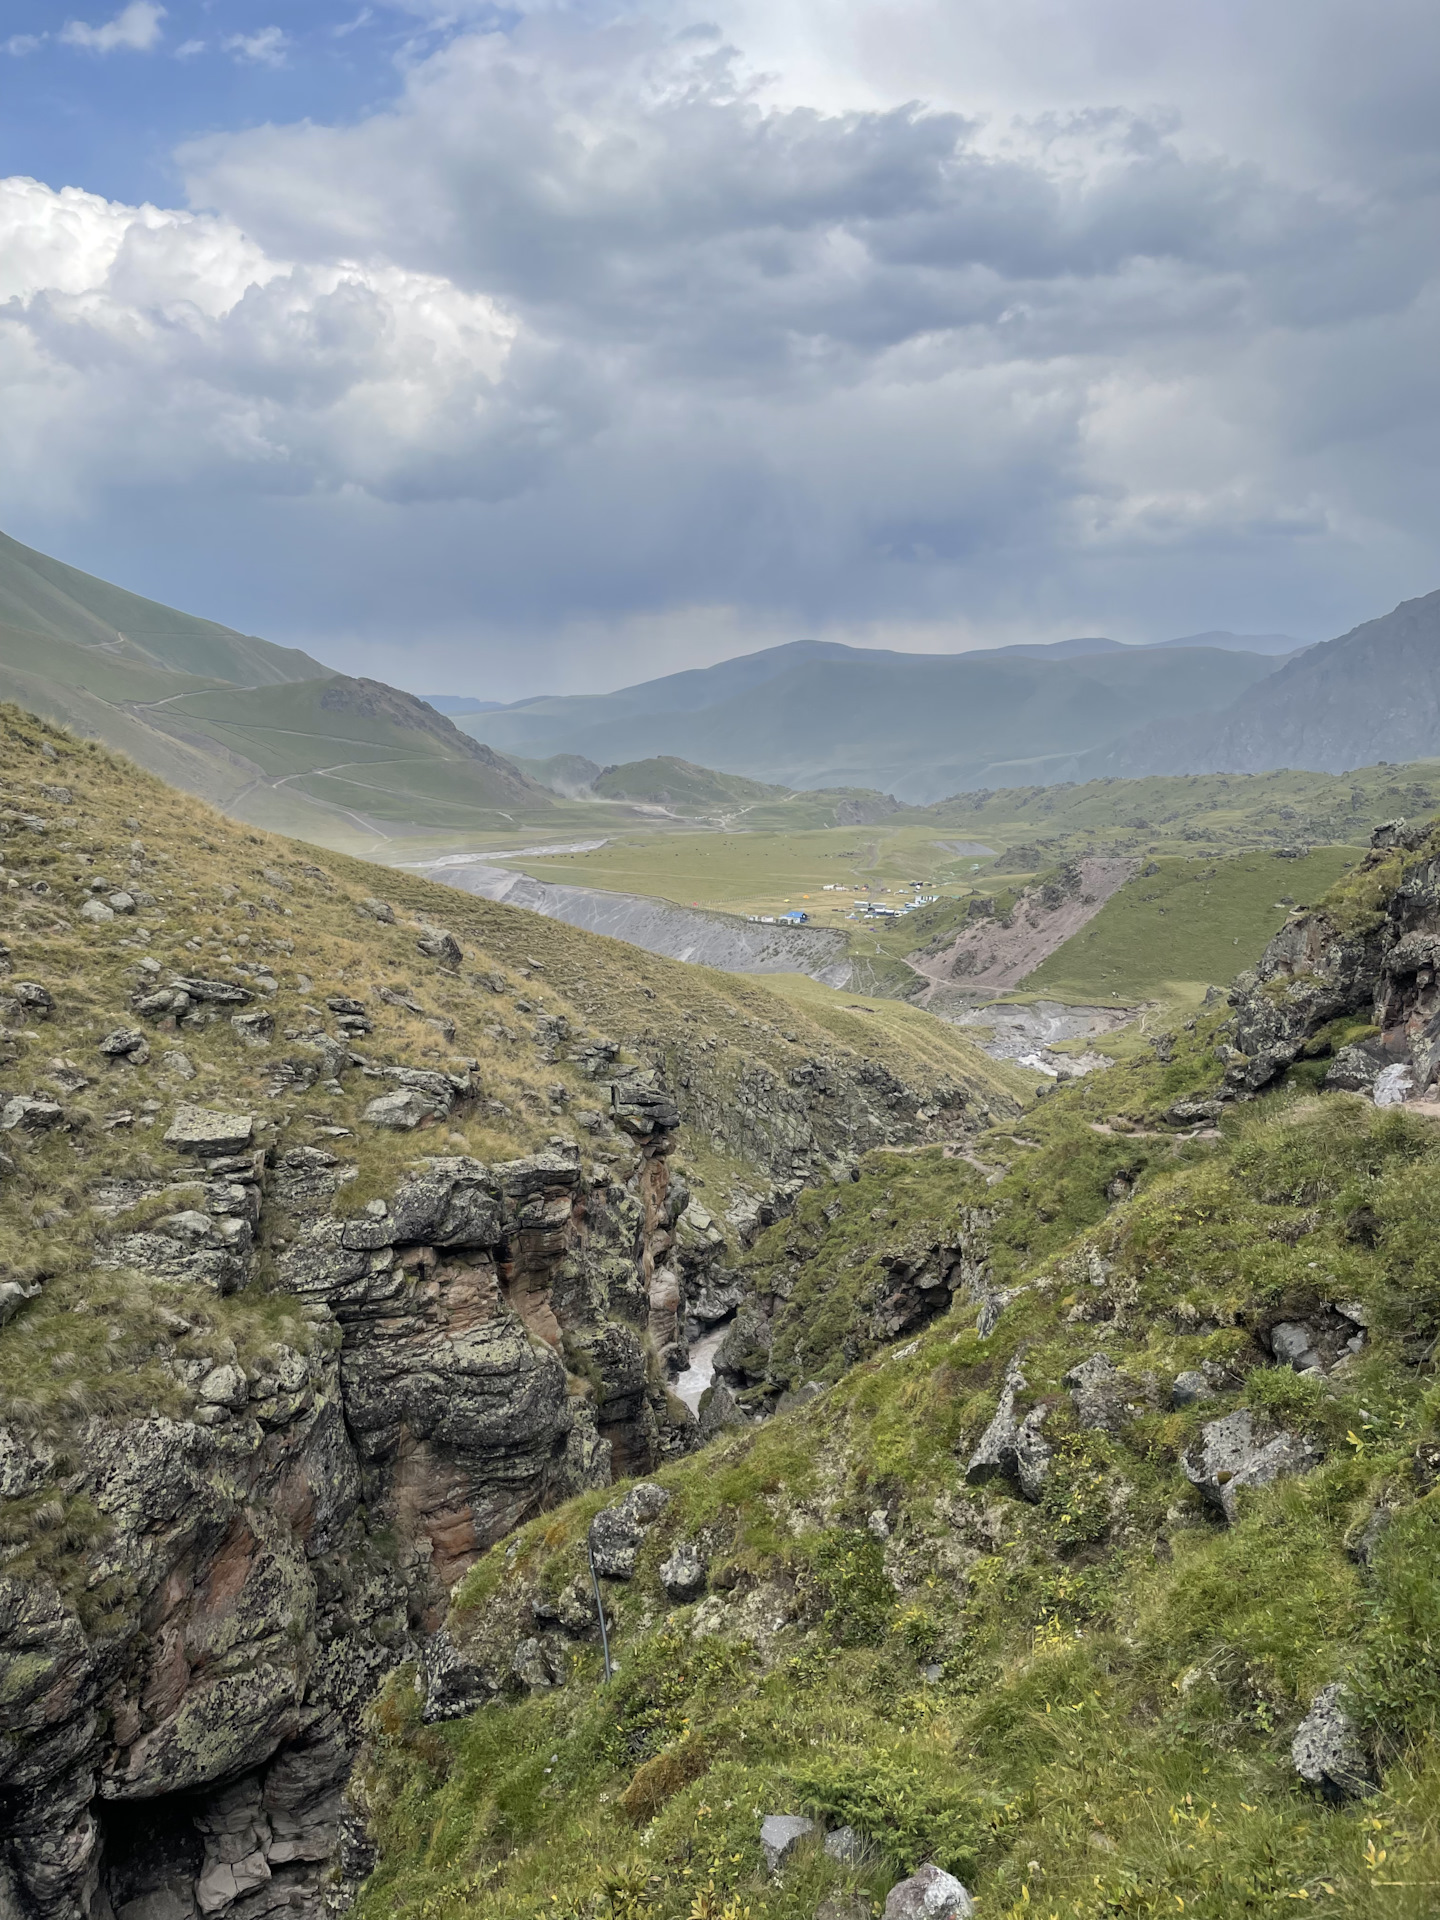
(992, 958)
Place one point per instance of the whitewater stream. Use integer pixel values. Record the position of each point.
(691, 1384)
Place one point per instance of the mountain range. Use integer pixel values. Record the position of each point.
(920, 726)
(278, 738)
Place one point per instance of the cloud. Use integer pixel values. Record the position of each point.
(592, 336)
(188, 49)
(266, 48)
(19, 44)
(135, 28)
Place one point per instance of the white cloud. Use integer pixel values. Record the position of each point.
(19, 44)
(187, 49)
(267, 48)
(135, 28)
(169, 348)
(592, 337)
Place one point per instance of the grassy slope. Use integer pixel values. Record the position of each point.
(45, 599)
(1186, 812)
(676, 783)
(1082, 1706)
(1189, 924)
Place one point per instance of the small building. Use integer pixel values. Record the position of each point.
(794, 917)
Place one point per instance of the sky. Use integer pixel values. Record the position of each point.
(501, 350)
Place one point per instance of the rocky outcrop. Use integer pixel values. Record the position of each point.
(179, 1725)
(1013, 1447)
(1381, 966)
(1235, 1453)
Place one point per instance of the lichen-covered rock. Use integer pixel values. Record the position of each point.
(405, 1109)
(616, 1532)
(450, 1685)
(123, 1041)
(929, 1894)
(442, 946)
(1327, 1751)
(1234, 1453)
(1012, 1447)
(683, 1574)
(30, 1116)
(1102, 1395)
(256, 1028)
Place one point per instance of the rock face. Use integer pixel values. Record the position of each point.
(1382, 969)
(180, 1746)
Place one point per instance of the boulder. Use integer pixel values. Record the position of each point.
(1327, 1752)
(450, 1686)
(1102, 1395)
(1188, 1387)
(1393, 1085)
(205, 1130)
(224, 1387)
(31, 1116)
(125, 1043)
(121, 902)
(640, 1106)
(222, 993)
(849, 1848)
(1010, 1448)
(35, 1001)
(683, 1574)
(929, 1894)
(442, 946)
(97, 913)
(405, 1109)
(780, 1834)
(1353, 1070)
(256, 1029)
(616, 1532)
(1293, 1345)
(1231, 1454)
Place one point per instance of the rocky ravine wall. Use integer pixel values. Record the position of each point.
(478, 1351)
(485, 1340)
(1377, 964)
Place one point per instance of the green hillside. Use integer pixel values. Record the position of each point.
(263, 731)
(1075, 1683)
(1215, 810)
(1182, 925)
(668, 782)
(43, 599)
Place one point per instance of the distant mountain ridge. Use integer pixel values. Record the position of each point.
(1371, 695)
(920, 726)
